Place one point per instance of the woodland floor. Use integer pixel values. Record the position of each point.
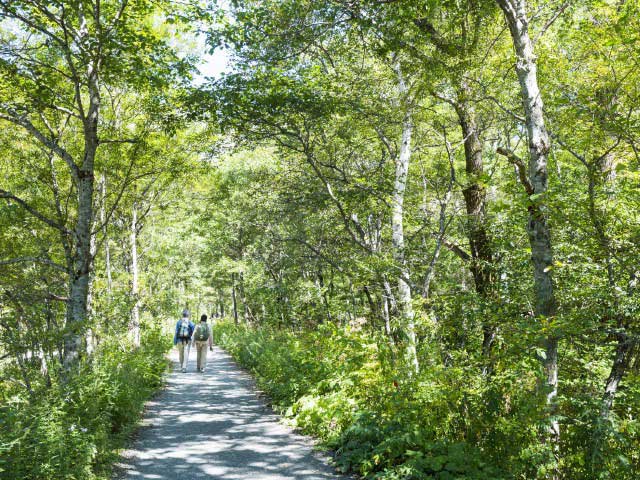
(214, 426)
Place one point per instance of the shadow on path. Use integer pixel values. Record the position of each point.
(212, 426)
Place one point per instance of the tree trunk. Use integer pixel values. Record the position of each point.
(82, 262)
(103, 219)
(397, 226)
(135, 310)
(243, 298)
(621, 362)
(23, 373)
(90, 338)
(604, 167)
(221, 303)
(373, 307)
(44, 366)
(391, 306)
(537, 228)
(475, 201)
(233, 298)
(80, 272)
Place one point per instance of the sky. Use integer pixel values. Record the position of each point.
(215, 64)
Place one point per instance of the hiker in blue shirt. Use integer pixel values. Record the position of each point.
(182, 338)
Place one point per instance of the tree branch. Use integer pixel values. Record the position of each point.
(318, 253)
(22, 121)
(45, 261)
(345, 217)
(453, 247)
(522, 169)
(57, 298)
(551, 21)
(441, 44)
(123, 140)
(11, 13)
(33, 211)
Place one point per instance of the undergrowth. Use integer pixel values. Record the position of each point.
(380, 424)
(73, 429)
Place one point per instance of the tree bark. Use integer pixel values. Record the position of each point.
(233, 298)
(135, 310)
(397, 225)
(90, 338)
(621, 362)
(537, 228)
(475, 196)
(81, 268)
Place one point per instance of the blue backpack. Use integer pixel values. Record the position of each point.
(183, 330)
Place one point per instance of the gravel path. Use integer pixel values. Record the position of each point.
(212, 426)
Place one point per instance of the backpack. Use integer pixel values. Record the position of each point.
(183, 330)
(202, 332)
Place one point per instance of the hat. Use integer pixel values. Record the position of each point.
(185, 313)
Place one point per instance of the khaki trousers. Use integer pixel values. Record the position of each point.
(181, 347)
(201, 349)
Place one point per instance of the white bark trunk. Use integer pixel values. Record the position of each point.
(135, 311)
(397, 227)
(89, 335)
(537, 228)
(77, 306)
(103, 218)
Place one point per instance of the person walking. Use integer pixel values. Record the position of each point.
(202, 339)
(182, 338)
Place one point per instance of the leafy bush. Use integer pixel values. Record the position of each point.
(333, 384)
(446, 422)
(71, 430)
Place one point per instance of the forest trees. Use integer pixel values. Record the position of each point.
(422, 216)
(93, 147)
(65, 70)
(535, 193)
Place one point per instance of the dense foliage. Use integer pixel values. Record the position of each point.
(457, 181)
(74, 430)
(420, 218)
(334, 384)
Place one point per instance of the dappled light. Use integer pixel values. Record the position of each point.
(213, 425)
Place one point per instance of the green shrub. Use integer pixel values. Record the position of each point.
(381, 424)
(72, 430)
(447, 421)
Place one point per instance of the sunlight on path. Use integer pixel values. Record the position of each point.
(213, 426)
